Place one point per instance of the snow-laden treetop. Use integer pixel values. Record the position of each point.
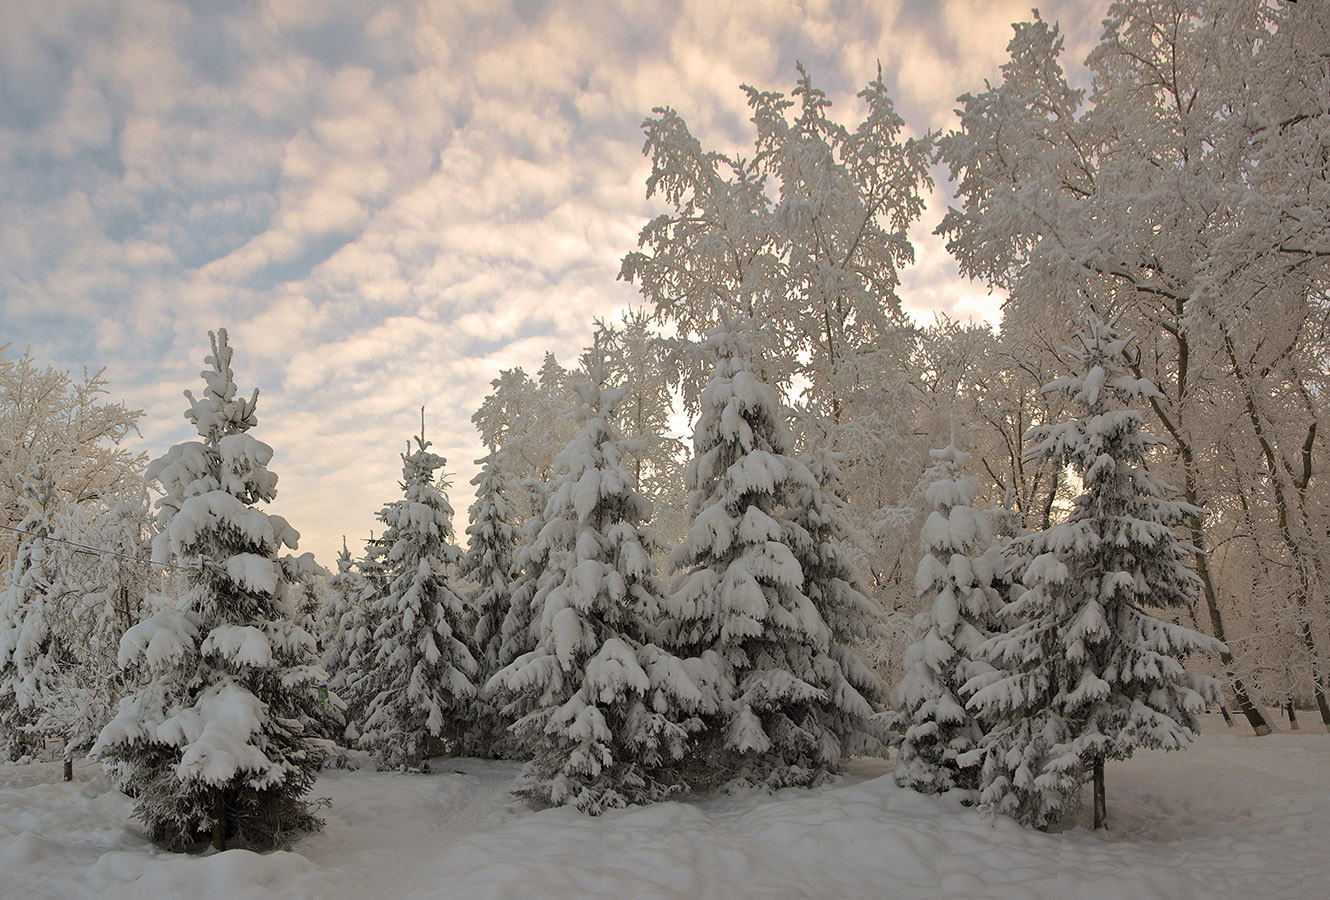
(1109, 392)
(219, 412)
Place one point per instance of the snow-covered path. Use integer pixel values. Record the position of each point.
(1234, 817)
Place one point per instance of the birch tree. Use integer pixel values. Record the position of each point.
(1185, 193)
(806, 237)
(67, 424)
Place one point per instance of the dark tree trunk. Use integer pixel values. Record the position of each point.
(1191, 493)
(1228, 716)
(1318, 682)
(69, 768)
(1245, 704)
(1292, 517)
(1100, 797)
(1292, 717)
(219, 819)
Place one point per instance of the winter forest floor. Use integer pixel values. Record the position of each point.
(1233, 817)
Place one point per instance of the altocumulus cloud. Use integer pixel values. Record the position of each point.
(388, 203)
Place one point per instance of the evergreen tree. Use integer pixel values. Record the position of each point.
(361, 624)
(488, 563)
(1088, 674)
(789, 706)
(517, 634)
(348, 645)
(213, 743)
(421, 678)
(606, 713)
(954, 584)
(828, 545)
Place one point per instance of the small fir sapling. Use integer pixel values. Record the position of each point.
(328, 724)
(347, 637)
(488, 564)
(828, 547)
(32, 653)
(517, 633)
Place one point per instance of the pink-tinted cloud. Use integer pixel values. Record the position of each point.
(387, 206)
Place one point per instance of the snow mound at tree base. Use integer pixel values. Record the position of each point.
(1234, 817)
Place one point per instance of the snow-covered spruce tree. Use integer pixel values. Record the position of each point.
(420, 682)
(1086, 674)
(606, 714)
(328, 724)
(954, 585)
(32, 652)
(788, 707)
(347, 636)
(360, 625)
(829, 548)
(488, 563)
(518, 632)
(213, 743)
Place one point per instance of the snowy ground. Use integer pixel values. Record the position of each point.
(1235, 816)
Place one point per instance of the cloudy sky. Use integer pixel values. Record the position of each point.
(388, 203)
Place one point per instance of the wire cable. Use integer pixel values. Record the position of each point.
(99, 551)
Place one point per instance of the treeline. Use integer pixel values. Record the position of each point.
(1161, 242)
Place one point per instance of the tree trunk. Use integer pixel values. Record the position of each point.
(69, 768)
(1191, 493)
(1292, 717)
(1292, 521)
(219, 819)
(1100, 797)
(1318, 682)
(1228, 717)
(1245, 704)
